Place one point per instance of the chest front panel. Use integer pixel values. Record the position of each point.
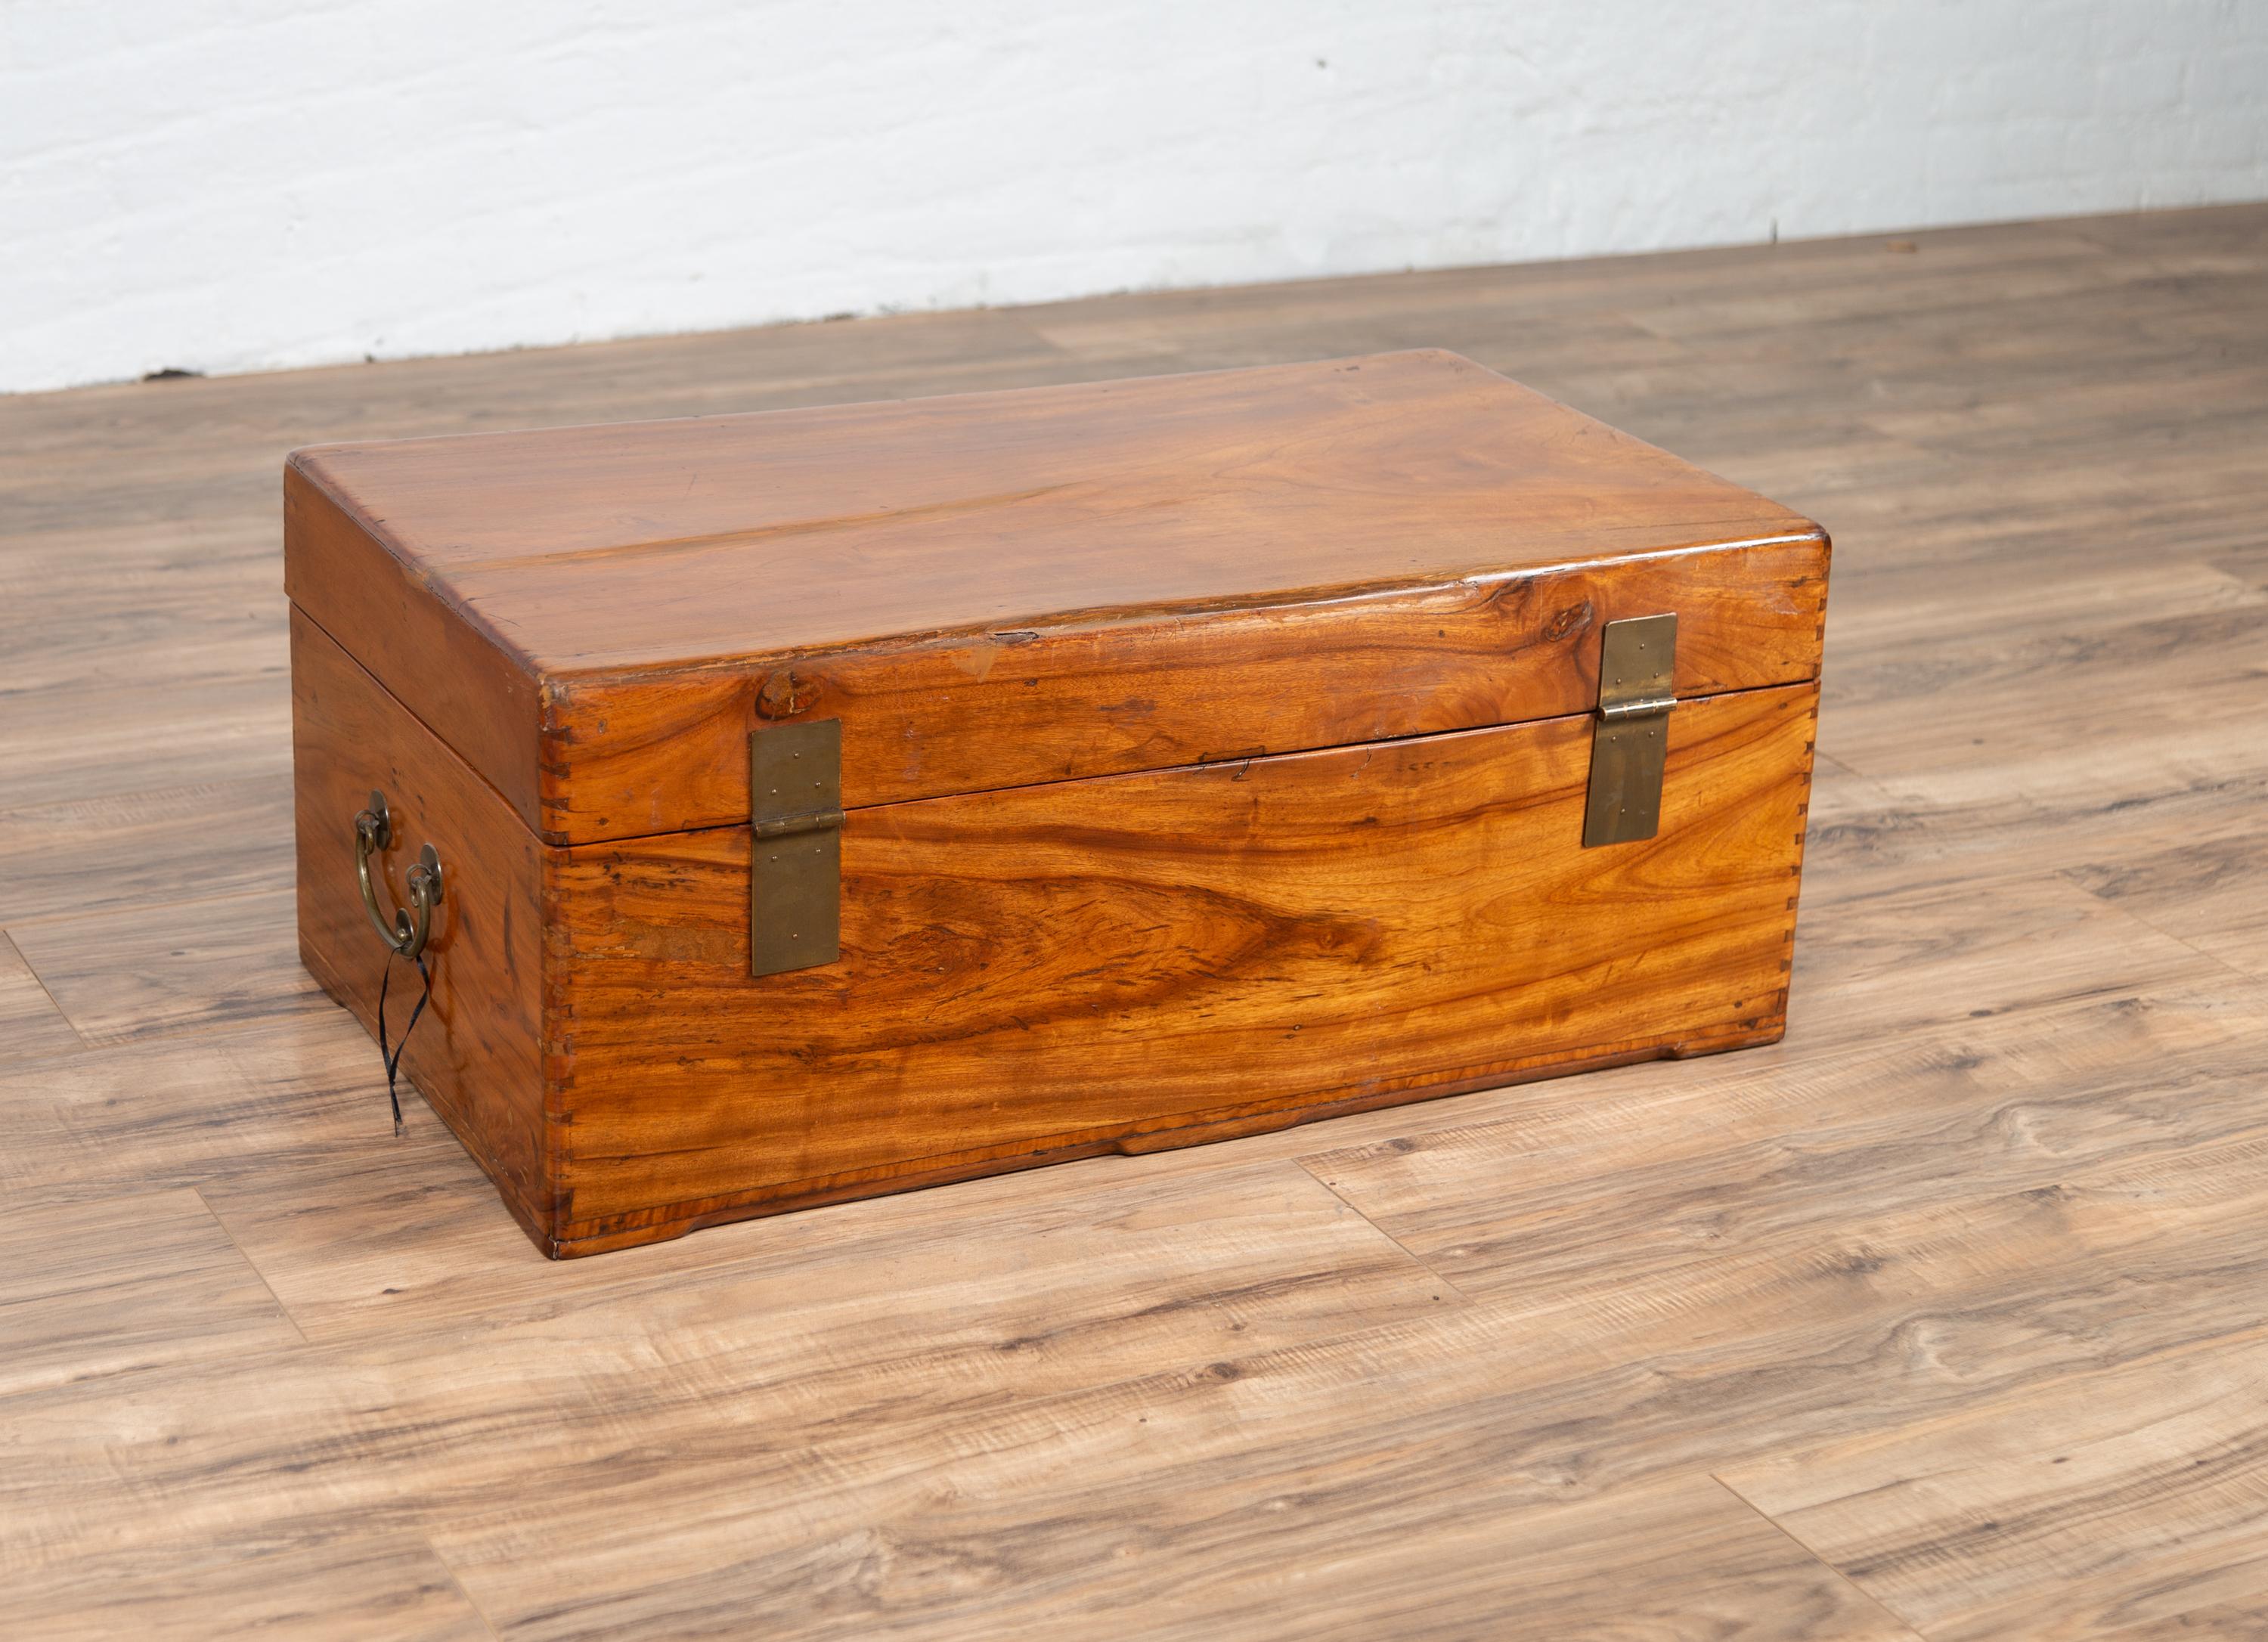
(1074, 967)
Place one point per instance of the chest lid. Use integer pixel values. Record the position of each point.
(999, 589)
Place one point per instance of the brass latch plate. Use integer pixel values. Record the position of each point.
(795, 870)
(1637, 663)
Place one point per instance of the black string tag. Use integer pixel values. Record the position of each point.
(393, 1058)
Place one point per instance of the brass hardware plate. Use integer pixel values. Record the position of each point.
(795, 823)
(1638, 662)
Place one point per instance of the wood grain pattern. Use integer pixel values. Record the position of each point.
(2211, 892)
(2001, 1180)
(1116, 1492)
(479, 1056)
(286, 1096)
(334, 1584)
(1211, 565)
(31, 1026)
(2123, 1499)
(455, 669)
(129, 849)
(1362, 472)
(123, 1284)
(1120, 1498)
(1681, 1561)
(974, 713)
(138, 971)
(1081, 1294)
(2080, 1080)
(1057, 969)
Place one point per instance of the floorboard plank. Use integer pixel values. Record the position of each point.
(1685, 1559)
(1605, 1191)
(2086, 1507)
(162, 966)
(126, 1285)
(342, 1587)
(31, 1026)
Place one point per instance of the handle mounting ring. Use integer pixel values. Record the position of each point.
(404, 935)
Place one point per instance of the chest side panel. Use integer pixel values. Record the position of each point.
(1118, 962)
(478, 1053)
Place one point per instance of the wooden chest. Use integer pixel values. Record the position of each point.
(827, 802)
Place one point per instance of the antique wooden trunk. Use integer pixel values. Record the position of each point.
(811, 804)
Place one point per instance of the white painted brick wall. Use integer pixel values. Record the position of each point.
(234, 185)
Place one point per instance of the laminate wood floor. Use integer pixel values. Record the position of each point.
(1947, 1318)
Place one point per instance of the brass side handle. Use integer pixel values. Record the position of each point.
(405, 936)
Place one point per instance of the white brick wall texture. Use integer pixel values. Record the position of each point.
(240, 185)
